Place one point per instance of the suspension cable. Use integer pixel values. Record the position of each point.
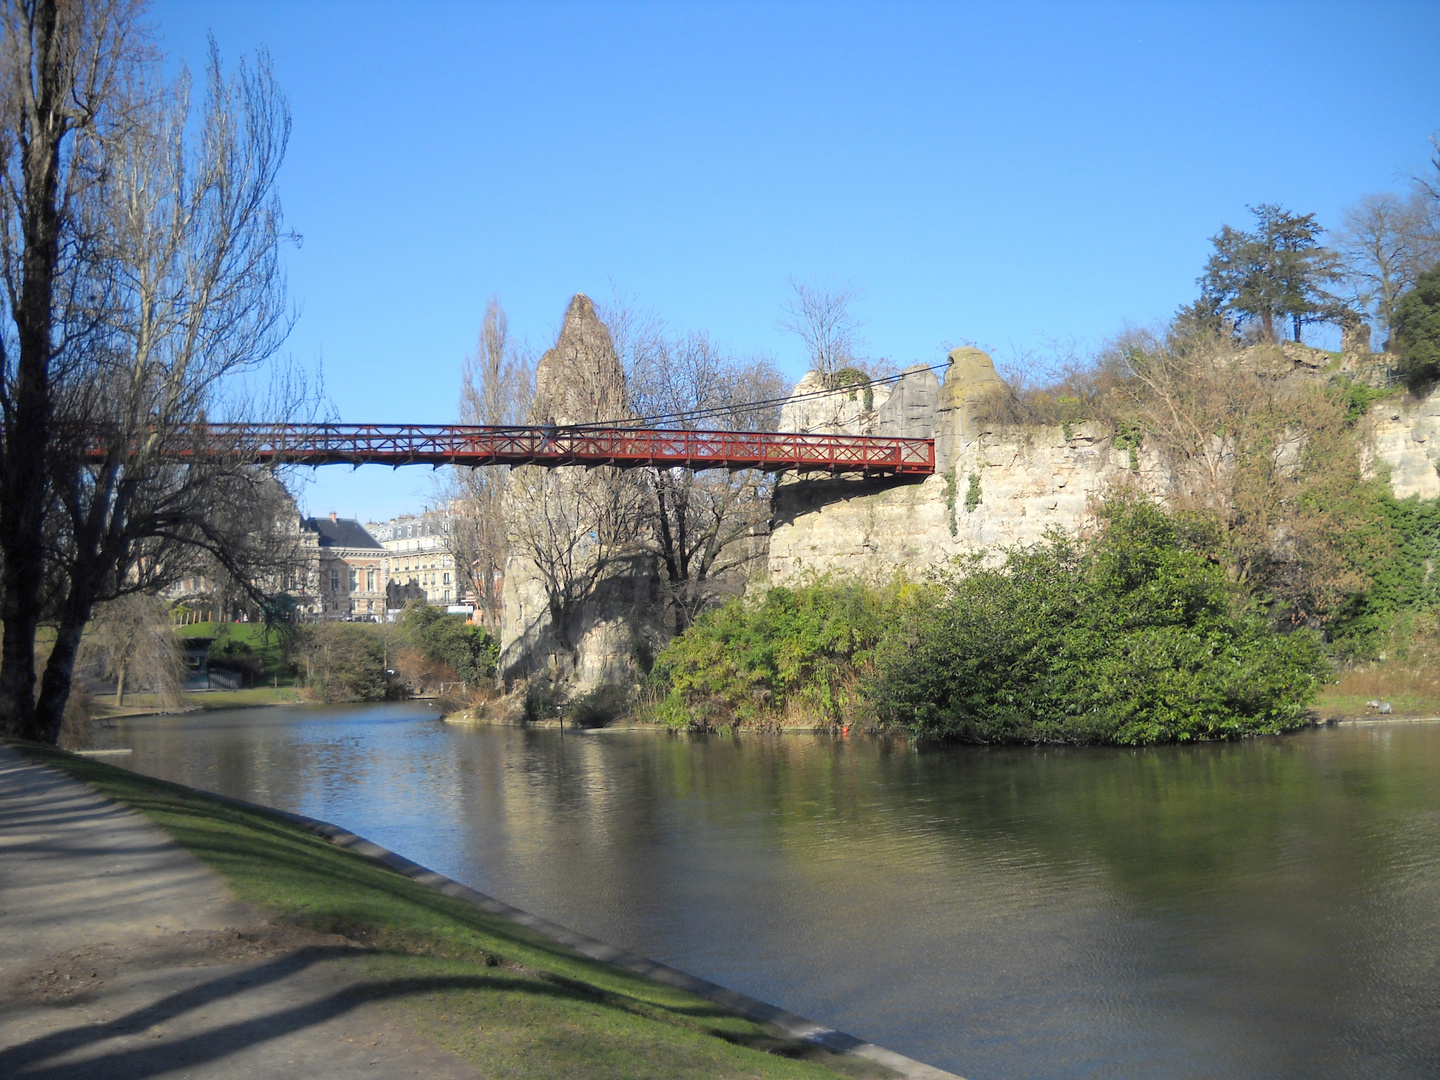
(749, 406)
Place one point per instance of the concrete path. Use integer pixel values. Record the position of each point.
(122, 957)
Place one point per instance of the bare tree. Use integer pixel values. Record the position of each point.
(578, 529)
(1269, 457)
(821, 317)
(132, 641)
(62, 65)
(175, 306)
(496, 387)
(575, 534)
(708, 528)
(1387, 242)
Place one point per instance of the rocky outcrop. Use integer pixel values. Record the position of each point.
(579, 584)
(996, 488)
(1405, 440)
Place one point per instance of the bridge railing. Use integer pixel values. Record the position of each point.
(458, 444)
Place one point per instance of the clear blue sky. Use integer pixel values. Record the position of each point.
(1005, 173)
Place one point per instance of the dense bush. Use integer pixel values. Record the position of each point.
(1417, 331)
(1133, 638)
(466, 650)
(370, 661)
(235, 655)
(803, 653)
(1400, 546)
(342, 661)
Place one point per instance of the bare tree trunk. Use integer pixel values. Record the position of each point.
(120, 689)
(27, 407)
(59, 671)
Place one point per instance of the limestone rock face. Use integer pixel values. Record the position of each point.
(910, 410)
(812, 409)
(1029, 479)
(1405, 437)
(580, 380)
(970, 377)
(578, 581)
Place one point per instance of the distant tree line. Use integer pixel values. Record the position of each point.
(1278, 277)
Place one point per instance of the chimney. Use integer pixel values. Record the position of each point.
(333, 517)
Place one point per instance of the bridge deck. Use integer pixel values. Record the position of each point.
(454, 444)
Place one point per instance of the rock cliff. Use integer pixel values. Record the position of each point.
(994, 487)
(579, 584)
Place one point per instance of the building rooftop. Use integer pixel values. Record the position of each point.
(338, 532)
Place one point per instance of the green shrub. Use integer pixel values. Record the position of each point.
(972, 493)
(541, 701)
(1417, 331)
(235, 655)
(1132, 638)
(802, 652)
(1399, 551)
(343, 661)
(467, 650)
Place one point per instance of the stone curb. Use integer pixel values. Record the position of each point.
(792, 1024)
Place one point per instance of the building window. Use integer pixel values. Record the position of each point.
(334, 580)
(447, 579)
(354, 580)
(369, 580)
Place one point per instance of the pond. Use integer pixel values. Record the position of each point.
(1268, 908)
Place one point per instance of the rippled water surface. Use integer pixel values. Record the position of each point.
(1265, 909)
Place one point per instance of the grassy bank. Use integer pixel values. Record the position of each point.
(103, 708)
(509, 1001)
(1411, 688)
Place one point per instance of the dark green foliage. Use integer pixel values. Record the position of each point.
(1135, 638)
(1278, 272)
(1417, 330)
(467, 650)
(236, 655)
(950, 491)
(1401, 547)
(972, 493)
(1356, 396)
(803, 652)
(847, 376)
(344, 661)
(541, 701)
(370, 661)
(605, 703)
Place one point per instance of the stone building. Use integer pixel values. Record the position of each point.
(346, 577)
(418, 559)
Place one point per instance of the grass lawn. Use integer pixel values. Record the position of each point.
(103, 707)
(1412, 689)
(509, 1001)
(254, 636)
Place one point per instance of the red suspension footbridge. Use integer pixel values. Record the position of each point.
(549, 445)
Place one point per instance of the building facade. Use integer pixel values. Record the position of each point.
(418, 559)
(347, 575)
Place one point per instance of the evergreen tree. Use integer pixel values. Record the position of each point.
(1417, 330)
(1277, 272)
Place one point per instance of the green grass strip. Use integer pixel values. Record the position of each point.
(508, 1000)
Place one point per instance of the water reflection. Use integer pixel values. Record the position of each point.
(1262, 909)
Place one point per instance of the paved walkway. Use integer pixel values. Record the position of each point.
(122, 957)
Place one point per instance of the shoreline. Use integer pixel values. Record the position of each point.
(797, 1029)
